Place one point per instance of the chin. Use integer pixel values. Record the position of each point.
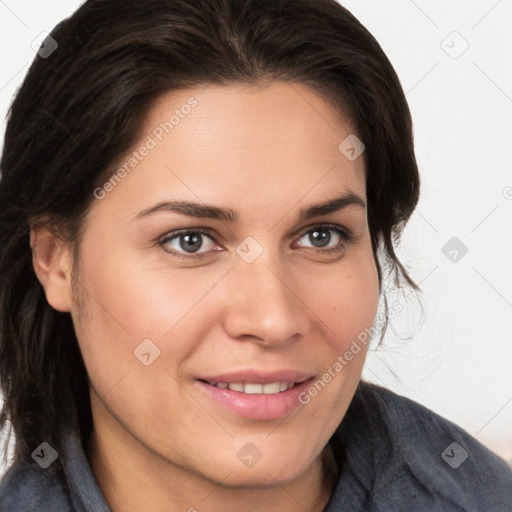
(265, 471)
(262, 477)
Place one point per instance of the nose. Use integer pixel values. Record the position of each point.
(263, 304)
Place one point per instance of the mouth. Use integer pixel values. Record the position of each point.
(254, 388)
(257, 396)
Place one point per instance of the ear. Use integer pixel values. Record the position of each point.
(51, 259)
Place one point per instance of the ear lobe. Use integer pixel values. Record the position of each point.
(52, 265)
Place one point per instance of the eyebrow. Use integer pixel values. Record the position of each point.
(203, 211)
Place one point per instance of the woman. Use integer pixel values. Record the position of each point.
(198, 203)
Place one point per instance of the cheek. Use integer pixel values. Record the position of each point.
(142, 300)
(126, 303)
(346, 305)
(346, 302)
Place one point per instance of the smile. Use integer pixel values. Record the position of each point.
(256, 401)
(253, 388)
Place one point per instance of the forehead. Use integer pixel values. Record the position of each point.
(257, 144)
(250, 118)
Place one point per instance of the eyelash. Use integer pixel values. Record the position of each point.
(346, 236)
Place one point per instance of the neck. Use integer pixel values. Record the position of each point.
(133, 478)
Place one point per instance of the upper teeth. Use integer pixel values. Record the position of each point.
(249, 388)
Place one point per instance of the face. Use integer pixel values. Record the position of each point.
(210, 282)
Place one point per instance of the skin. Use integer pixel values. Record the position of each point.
(159, 443)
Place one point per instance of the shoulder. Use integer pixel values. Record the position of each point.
(30, 488)
(422, 460)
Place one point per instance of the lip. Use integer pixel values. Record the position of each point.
(256, 406)
(260, 377)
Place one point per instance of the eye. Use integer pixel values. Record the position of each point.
(325, 237)
(191, 242)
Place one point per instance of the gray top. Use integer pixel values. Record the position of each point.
(392, 454)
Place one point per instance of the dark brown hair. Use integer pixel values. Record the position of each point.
(81, 108)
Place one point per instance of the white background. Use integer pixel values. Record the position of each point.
(458, 361)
